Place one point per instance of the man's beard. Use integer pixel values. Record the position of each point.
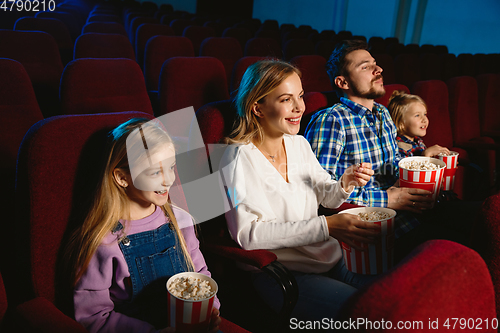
(370, 94)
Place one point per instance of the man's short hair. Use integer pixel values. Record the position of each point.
(337, 64)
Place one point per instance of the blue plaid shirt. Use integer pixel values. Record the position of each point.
(349, 133)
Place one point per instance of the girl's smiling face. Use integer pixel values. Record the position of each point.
(415, 121)
(281, 111)
(155, 176)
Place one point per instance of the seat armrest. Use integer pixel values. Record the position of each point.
(40, 315)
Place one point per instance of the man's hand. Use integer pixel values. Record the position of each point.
(412, 199)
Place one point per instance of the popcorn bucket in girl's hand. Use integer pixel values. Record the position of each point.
(422, 172)
(190, 301)
(378, 257)
(451, 162)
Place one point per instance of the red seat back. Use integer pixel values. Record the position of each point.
(239, 69)
(191, 81)
(407, 69)
(314, 75)
(197, 35)
(96, 45)
(158, 50)
(297, 47)
(389, 89)
(263, 47)
(105, 28)
(143, 33)
(102, 86)
(226, 49)
(464, 109)
(489, 90)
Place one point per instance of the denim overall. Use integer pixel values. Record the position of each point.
(152, 257)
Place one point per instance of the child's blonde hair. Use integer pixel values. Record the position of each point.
(110, 201)
(398, 105)
(259, 80)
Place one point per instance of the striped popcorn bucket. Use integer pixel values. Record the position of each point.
(429, 180)
(377, 258)
(191, 316)
(451, 162)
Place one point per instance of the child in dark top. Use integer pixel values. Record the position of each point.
(409, 113)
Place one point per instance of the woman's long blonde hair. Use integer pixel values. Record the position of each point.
(259, 80)
(111, 201)
(398, 105)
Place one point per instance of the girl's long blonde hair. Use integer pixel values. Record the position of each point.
(398, 105)
(111, 200)
(259, 80)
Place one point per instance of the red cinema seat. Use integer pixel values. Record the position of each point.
(435, 95)
(136, 23)
(488, 92)
(438, 281)
(38, 53)
(102, 86)
(158, 50)
(95, 45)
(197, 35)
(239, 69)
(105, 28)
(241, 34)
(407, 69)
(226, 49)
(314, 75)
(70, 20)
(263, 47)
(105, 17)
(191, 81)
(53, 27)
(389, 89)
(146, 31)
(296, 47)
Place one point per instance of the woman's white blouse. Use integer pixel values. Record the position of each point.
(266, 212)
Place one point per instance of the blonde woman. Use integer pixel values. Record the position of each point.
(130, 242)
(275, 185)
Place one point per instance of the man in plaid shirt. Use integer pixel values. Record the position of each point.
(359, 130)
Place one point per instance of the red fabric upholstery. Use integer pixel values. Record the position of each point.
(407, 69)
(297, 47)
(486, 240)
(105, 28)
(188, 81)
(241, 34)
(226, 49)
(449, 66)
(466, 128)
(263, 47)
(465, 62)
(18, 111)
(70, 20)
(96, 17)
(143, 33)
(197, 35)
(136, 22)
(438, 280)
(158, 50)
(103, 85)
(488, 92)
(179, 25)
(430, 67)
(389, 89)
(215, 120)
(324, 48)
(314, 76)
(53, 27)
(3, 300)
(96, 45)
(239, 69)
(39, 54)
(386, 62)
(435, 95)
(40, 315)
(227, 326)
